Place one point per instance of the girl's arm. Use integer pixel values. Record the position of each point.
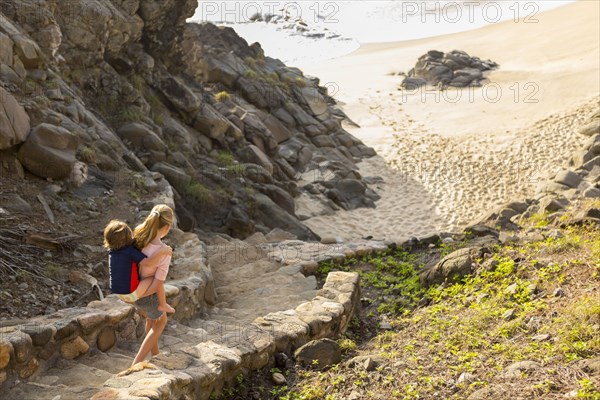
(155, 259)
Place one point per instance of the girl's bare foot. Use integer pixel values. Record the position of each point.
(167, 308)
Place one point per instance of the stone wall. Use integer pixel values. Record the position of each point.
(198, 371)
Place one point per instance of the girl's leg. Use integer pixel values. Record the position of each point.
(162, 299)
(151, 340)
(149, 324)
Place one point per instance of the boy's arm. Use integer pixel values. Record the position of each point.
(156, 257)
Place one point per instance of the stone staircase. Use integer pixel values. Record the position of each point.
(254, 282)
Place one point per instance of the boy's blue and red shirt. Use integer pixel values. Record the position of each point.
(123, 269)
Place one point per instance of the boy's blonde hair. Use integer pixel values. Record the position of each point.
(160, 216)
(117, 235)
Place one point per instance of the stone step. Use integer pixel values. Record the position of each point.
(272, 282)
(67, 380)
(225, 274)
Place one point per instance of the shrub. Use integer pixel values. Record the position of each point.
(199, 192)
(88, 155)
(130, 114)
(225, 159)
(250, 74)
(222, 97)
(300, 82)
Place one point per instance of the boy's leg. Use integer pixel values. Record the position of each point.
(151, 340)
(144, 288)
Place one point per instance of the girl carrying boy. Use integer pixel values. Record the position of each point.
(151, 297)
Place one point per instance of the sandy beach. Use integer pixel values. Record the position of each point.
(447, 158)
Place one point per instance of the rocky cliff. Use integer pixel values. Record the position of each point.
(97, 91)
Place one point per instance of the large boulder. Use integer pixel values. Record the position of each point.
(322, 353)
(6, 50)
(315, 102)
(141, 137)
(27, 50)
(278, 130)
(272, 216)
(591, 129)
(164, 24)
(179, 94)
(258, 133)
(280, 197)
(296, 153)
(455, 265)
(254, 155)
(455, 68)
(351, 193)
(100, 32)
(146, 144)
(176, 176)
(568, 178)
(212, 124)
(224, 68)
(412, 83)
(14, 121)
(49, 152)
(309, 205)
(260, 93)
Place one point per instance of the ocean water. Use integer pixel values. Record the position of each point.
(301, 33)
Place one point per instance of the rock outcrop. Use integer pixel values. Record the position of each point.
(130, 85)
(456, 69)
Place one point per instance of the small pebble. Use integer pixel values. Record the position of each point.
(509, 314)
(385, 326)
(466, 377)
(279, 378)
(540, 338)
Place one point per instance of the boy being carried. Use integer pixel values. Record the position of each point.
(124, 261)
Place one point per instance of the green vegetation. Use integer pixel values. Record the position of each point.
(222, 97)
(158, 110)
(225, 159)
(138, 82)
(88, 155)
(300, 82)
(199, 193)
(533, 301)
(53, 270)
(129, 114)
(250, 74)
(68, 99)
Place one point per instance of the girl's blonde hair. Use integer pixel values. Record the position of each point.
(160, 216)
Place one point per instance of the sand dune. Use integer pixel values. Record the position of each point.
(446, 162)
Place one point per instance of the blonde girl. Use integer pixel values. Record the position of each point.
(147, 237)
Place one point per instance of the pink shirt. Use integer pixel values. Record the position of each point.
(160, 271)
